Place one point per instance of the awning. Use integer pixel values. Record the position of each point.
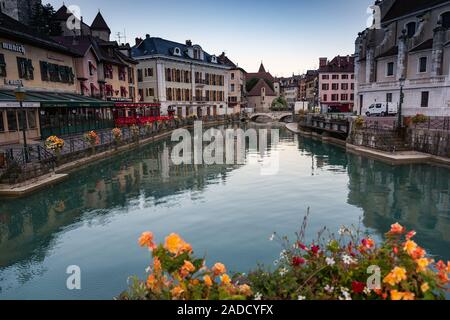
(55, 100)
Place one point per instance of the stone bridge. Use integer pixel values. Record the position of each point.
(274, 116)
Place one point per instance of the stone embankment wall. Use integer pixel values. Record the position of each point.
(435, 142)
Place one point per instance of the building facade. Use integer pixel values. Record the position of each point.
(337, 84)
(237, 95)
(262, 89)
(183, 78)
(311, 89)
(411, 50)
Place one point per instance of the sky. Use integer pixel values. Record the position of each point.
(288, 36)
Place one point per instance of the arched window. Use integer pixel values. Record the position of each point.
(177, 51)
(410, 29)
(446, 20)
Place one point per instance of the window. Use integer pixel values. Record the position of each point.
(352, 86)
(149, 72)
(168, 74)
(335, 86)
(344, 86)
(122, 73)
(12, 121)
(108, 71)
(325, 97)
(141, 95)
(388, 97)
(2, 67)
(91, 68)
(2, 126)
(31, 116)
(140, 77)
(344, 97)
(446, 20)
(352, 97)
(334, 97)
(423, 64)
(353, 76)
(344, 77)
(232, 87)
(232, 76)
(425, 98)
(26, 69)
(325, 86)
(325, 77)
(410, 29)
(335, 77)
(390, 69)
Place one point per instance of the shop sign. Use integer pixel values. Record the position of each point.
(15, 47)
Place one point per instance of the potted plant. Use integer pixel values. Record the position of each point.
(54, 144)
(93, 139)
(117, 136)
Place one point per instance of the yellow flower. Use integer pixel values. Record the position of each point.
(176, 292)
(187, 268)
(245, 290)
(422, 264)
(152, 283)
(396, 276)
(409, 296)
(208, 281)
(425, 287)
(219, 269)
(225, 279)
(410, 247)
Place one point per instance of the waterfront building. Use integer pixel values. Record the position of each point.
(237, 95)
(262, 89)
(46, 70)
(183, 78)
(337, 84)
(411, 50)
(311, 89)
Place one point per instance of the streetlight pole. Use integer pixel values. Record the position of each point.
(20, 94)
(400, 116)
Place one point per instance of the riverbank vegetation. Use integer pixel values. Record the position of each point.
(346, 266)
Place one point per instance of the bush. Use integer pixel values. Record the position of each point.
(330, 268)
(359, 122)
(419, 118)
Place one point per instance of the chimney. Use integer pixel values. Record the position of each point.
(138, 41)
(147, 36)
(189, 43)
(323, 62)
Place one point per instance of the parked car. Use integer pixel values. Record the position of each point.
(382, 109)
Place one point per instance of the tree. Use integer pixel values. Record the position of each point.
(42, 20)
(279, 104)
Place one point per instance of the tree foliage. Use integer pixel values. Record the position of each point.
(42, 20)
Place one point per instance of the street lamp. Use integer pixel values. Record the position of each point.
(400, 116)
(20, 94)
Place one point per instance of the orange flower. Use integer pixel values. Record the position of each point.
(176, 292)
(176, 245)
(157, 265)
(448, 266)
(422, 264)
(410, 235)
(245, 290)
(146, 239)
(425, 287)
(397, 229)
(152, 283)
(208, 281)
(218, 269)
(187, 269)
(396, 295)
(410, 247)
(225, 279)
(418, 253)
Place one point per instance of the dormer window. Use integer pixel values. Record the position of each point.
(197, 53)
(446, 20)
(177, 51)
(411, 29)
(214, 59)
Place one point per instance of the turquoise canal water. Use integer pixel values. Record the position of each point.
(94, 219)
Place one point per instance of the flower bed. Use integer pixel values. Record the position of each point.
(344, 267)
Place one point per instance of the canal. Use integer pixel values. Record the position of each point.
(228, 212)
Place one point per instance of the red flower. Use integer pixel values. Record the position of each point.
(358, 287)
(315, 249)
(297, 261)
(302, 246)
(395, 250)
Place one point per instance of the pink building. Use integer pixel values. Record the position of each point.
(337, 84)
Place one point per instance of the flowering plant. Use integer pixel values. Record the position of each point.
(117, 134)
(54, 143)
(419, 118)
(92, 137)
(341, 269)
(176, 274)
(359, 122)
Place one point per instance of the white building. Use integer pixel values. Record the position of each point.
(413, 44)
(181, 77)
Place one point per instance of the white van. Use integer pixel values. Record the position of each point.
(382, 109)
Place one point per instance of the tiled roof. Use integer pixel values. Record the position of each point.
(158, 46)
(99, 23)
(339, 64)
(261, 68)
(256, 90)
(404, 7)
(428, 44)
(260, 75)
(14, 30)
(62, 14)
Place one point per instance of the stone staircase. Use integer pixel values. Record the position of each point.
(384, 140)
